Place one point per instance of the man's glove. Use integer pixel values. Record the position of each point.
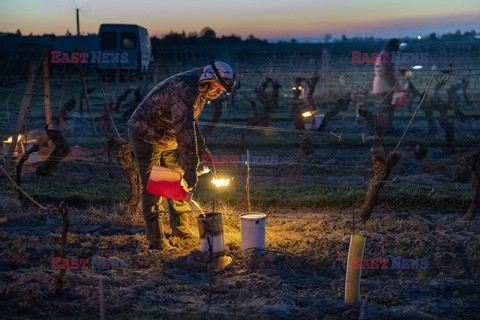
(190, 177)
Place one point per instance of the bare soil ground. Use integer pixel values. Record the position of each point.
(301, 274)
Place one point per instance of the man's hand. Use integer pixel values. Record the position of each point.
(190, 177)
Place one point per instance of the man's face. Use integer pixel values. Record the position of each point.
(215, 89)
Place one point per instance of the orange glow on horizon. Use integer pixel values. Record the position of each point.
(265, 20)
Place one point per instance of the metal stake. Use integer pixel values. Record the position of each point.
(353, 218)
(247, 184)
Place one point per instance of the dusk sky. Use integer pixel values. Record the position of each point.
(270, 19)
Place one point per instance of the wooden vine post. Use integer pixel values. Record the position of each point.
(55, 135)
(85, 94)
(46, 88)
(27, 98)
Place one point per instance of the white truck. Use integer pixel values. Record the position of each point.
(122, 46)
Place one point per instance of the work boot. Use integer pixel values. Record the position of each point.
(180, 227)
(156, 237)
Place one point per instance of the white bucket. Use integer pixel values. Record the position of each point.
(253, 230)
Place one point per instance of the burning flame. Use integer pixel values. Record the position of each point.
(221, 182)
(20, 138)
(307, 114)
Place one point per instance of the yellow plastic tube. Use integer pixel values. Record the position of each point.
(354, 269)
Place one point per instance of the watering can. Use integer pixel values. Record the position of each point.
(167, 183)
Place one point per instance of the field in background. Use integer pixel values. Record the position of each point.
(309, 200)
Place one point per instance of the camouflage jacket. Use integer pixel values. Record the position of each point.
(167, 117)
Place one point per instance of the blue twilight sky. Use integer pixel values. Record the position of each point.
(270, 19)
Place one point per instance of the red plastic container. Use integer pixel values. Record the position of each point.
(166, 183)
(399, 98)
